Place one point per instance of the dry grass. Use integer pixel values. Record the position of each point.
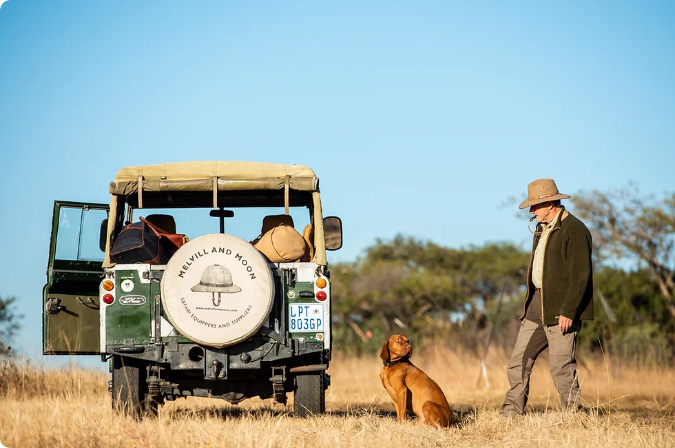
(631, 407)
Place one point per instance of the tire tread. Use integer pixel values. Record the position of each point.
(310, 395)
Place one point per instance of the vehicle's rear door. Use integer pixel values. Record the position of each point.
(70, 299)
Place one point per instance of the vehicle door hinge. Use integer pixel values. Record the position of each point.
(54, 306)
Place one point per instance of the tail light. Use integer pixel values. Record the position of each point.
(108, 298)
(321, 296)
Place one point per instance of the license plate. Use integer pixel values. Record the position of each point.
(305, 317)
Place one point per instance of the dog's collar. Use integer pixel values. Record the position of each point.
(388, 363)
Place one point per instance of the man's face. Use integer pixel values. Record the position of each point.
(542, 211)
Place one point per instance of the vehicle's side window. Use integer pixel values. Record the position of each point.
(78, 234)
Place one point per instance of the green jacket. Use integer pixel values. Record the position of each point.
(567, 287)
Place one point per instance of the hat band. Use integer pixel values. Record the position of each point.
(541, 197)
(216, 285)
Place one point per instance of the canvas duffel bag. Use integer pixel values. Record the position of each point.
(143, 242)
(281, 244)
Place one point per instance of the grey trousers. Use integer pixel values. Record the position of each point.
(533, 339)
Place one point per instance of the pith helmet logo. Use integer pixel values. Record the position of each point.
(216, 279)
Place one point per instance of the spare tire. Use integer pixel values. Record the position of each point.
(217, 290)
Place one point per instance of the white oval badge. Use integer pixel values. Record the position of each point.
(217, 290)
(127, 285)
(132, 300)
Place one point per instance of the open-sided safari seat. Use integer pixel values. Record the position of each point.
(164, 222)
(272, 221)
(167, 224)
(280, 242)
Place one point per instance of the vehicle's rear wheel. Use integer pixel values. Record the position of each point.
(129, 387)
(310, 395)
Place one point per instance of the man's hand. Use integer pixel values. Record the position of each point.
(564, 324)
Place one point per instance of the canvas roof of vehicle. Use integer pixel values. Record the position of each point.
(224, 176)
(199, 176)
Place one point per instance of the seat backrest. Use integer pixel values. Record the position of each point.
(272, 221)
(164, 222)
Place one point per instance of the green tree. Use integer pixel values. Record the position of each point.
(9, 324)
(625, 224)
(420, 288)
(631, 319)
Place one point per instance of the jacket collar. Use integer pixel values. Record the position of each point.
(559, 217)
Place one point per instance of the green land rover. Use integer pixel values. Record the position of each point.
(229, 309)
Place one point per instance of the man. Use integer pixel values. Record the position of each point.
(559, 296)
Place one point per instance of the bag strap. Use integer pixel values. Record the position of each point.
(161, 233)
(156, 230)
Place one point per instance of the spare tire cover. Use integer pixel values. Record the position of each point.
(217, 290)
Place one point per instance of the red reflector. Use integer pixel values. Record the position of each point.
(108, 298)
(321, 296)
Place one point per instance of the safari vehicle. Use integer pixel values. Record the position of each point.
(211, 315)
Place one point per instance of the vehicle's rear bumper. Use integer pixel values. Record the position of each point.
(217, 363)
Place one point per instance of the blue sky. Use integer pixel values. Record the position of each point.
(419, 117)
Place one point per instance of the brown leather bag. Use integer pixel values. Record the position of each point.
(144, 242)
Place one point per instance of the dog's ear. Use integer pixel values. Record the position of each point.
(384, 354)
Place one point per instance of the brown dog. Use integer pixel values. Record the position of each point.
(409, 387)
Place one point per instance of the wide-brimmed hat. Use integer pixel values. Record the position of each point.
(542, 190)
(216, 278)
